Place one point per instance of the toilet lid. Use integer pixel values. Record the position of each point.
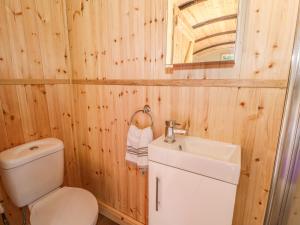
(65, 206)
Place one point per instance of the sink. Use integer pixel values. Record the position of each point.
(217, 160)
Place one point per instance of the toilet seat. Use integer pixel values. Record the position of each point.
(65, 206)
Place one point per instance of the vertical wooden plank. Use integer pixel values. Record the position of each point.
(11, 114)
(27, 114)
(200, 112)
(270, 54)
(159, 60)
(32, 39)
(17, 43)
(222, 103)
(51, 25)
(121, 126)
(80, 112)
(4, 142)
(99, 130)
(115, 41)
(54, 109)
(139, 31)
(36, 95)
(147, 40)
(264, 152)
(126, 51)
(247, 114)
(74, 26)
(93, 148)
(67, 127)
(5, 58)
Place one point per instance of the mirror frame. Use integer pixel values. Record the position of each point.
(203, 65)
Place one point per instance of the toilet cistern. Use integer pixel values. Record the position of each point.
(171, 130)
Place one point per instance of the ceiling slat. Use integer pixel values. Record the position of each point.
(216, 34)
(215, 20)
(213, 46)
(189, 4)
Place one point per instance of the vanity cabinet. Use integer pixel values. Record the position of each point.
(179, 197)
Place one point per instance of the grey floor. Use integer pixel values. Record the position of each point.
(105, 221)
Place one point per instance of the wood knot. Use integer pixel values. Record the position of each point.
(260, 107)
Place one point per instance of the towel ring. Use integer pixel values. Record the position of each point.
(146, 110)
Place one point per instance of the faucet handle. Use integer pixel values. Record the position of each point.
(171, 123)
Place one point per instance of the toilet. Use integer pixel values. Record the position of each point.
(32, 175)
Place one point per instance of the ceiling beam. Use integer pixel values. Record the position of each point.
(215, 20)
(213, 46)
(190, 3)
(216, 35)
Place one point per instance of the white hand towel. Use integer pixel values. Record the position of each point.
(137, 145)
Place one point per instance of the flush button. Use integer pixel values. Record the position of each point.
(33, 147)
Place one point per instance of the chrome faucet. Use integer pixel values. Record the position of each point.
(171, 130)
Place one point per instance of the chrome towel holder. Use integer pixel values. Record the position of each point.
(146, 110)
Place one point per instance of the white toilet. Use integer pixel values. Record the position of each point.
(32, 175)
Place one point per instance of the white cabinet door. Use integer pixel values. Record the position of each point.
(178, 197)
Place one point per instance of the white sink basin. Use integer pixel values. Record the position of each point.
(217, 160)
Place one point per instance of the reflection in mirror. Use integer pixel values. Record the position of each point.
(201, 31)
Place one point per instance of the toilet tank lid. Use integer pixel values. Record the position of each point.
(28, 152)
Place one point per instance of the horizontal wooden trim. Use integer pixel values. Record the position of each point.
(115, 215)
(247, 83)
(215, 20)
(204, 65)
(33, 81)
(213, 46)
(190, 83)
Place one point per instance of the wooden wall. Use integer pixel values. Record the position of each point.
(34, 46)
(247, 116)
(57, 76)
(125, 40)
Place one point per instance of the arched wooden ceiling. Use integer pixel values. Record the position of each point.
(212, 22)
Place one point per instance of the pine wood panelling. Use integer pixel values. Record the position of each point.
(249, 117)
(228, 114)
(130, 48)
(11, 114)
(4, 53)
(269, 39)
(31, 112)
(33, 40)
(34, 45)
(119, 46)
(3, 134)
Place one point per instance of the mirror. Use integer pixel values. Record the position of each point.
(202, 32)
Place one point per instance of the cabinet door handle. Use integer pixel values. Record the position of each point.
(156, 196)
